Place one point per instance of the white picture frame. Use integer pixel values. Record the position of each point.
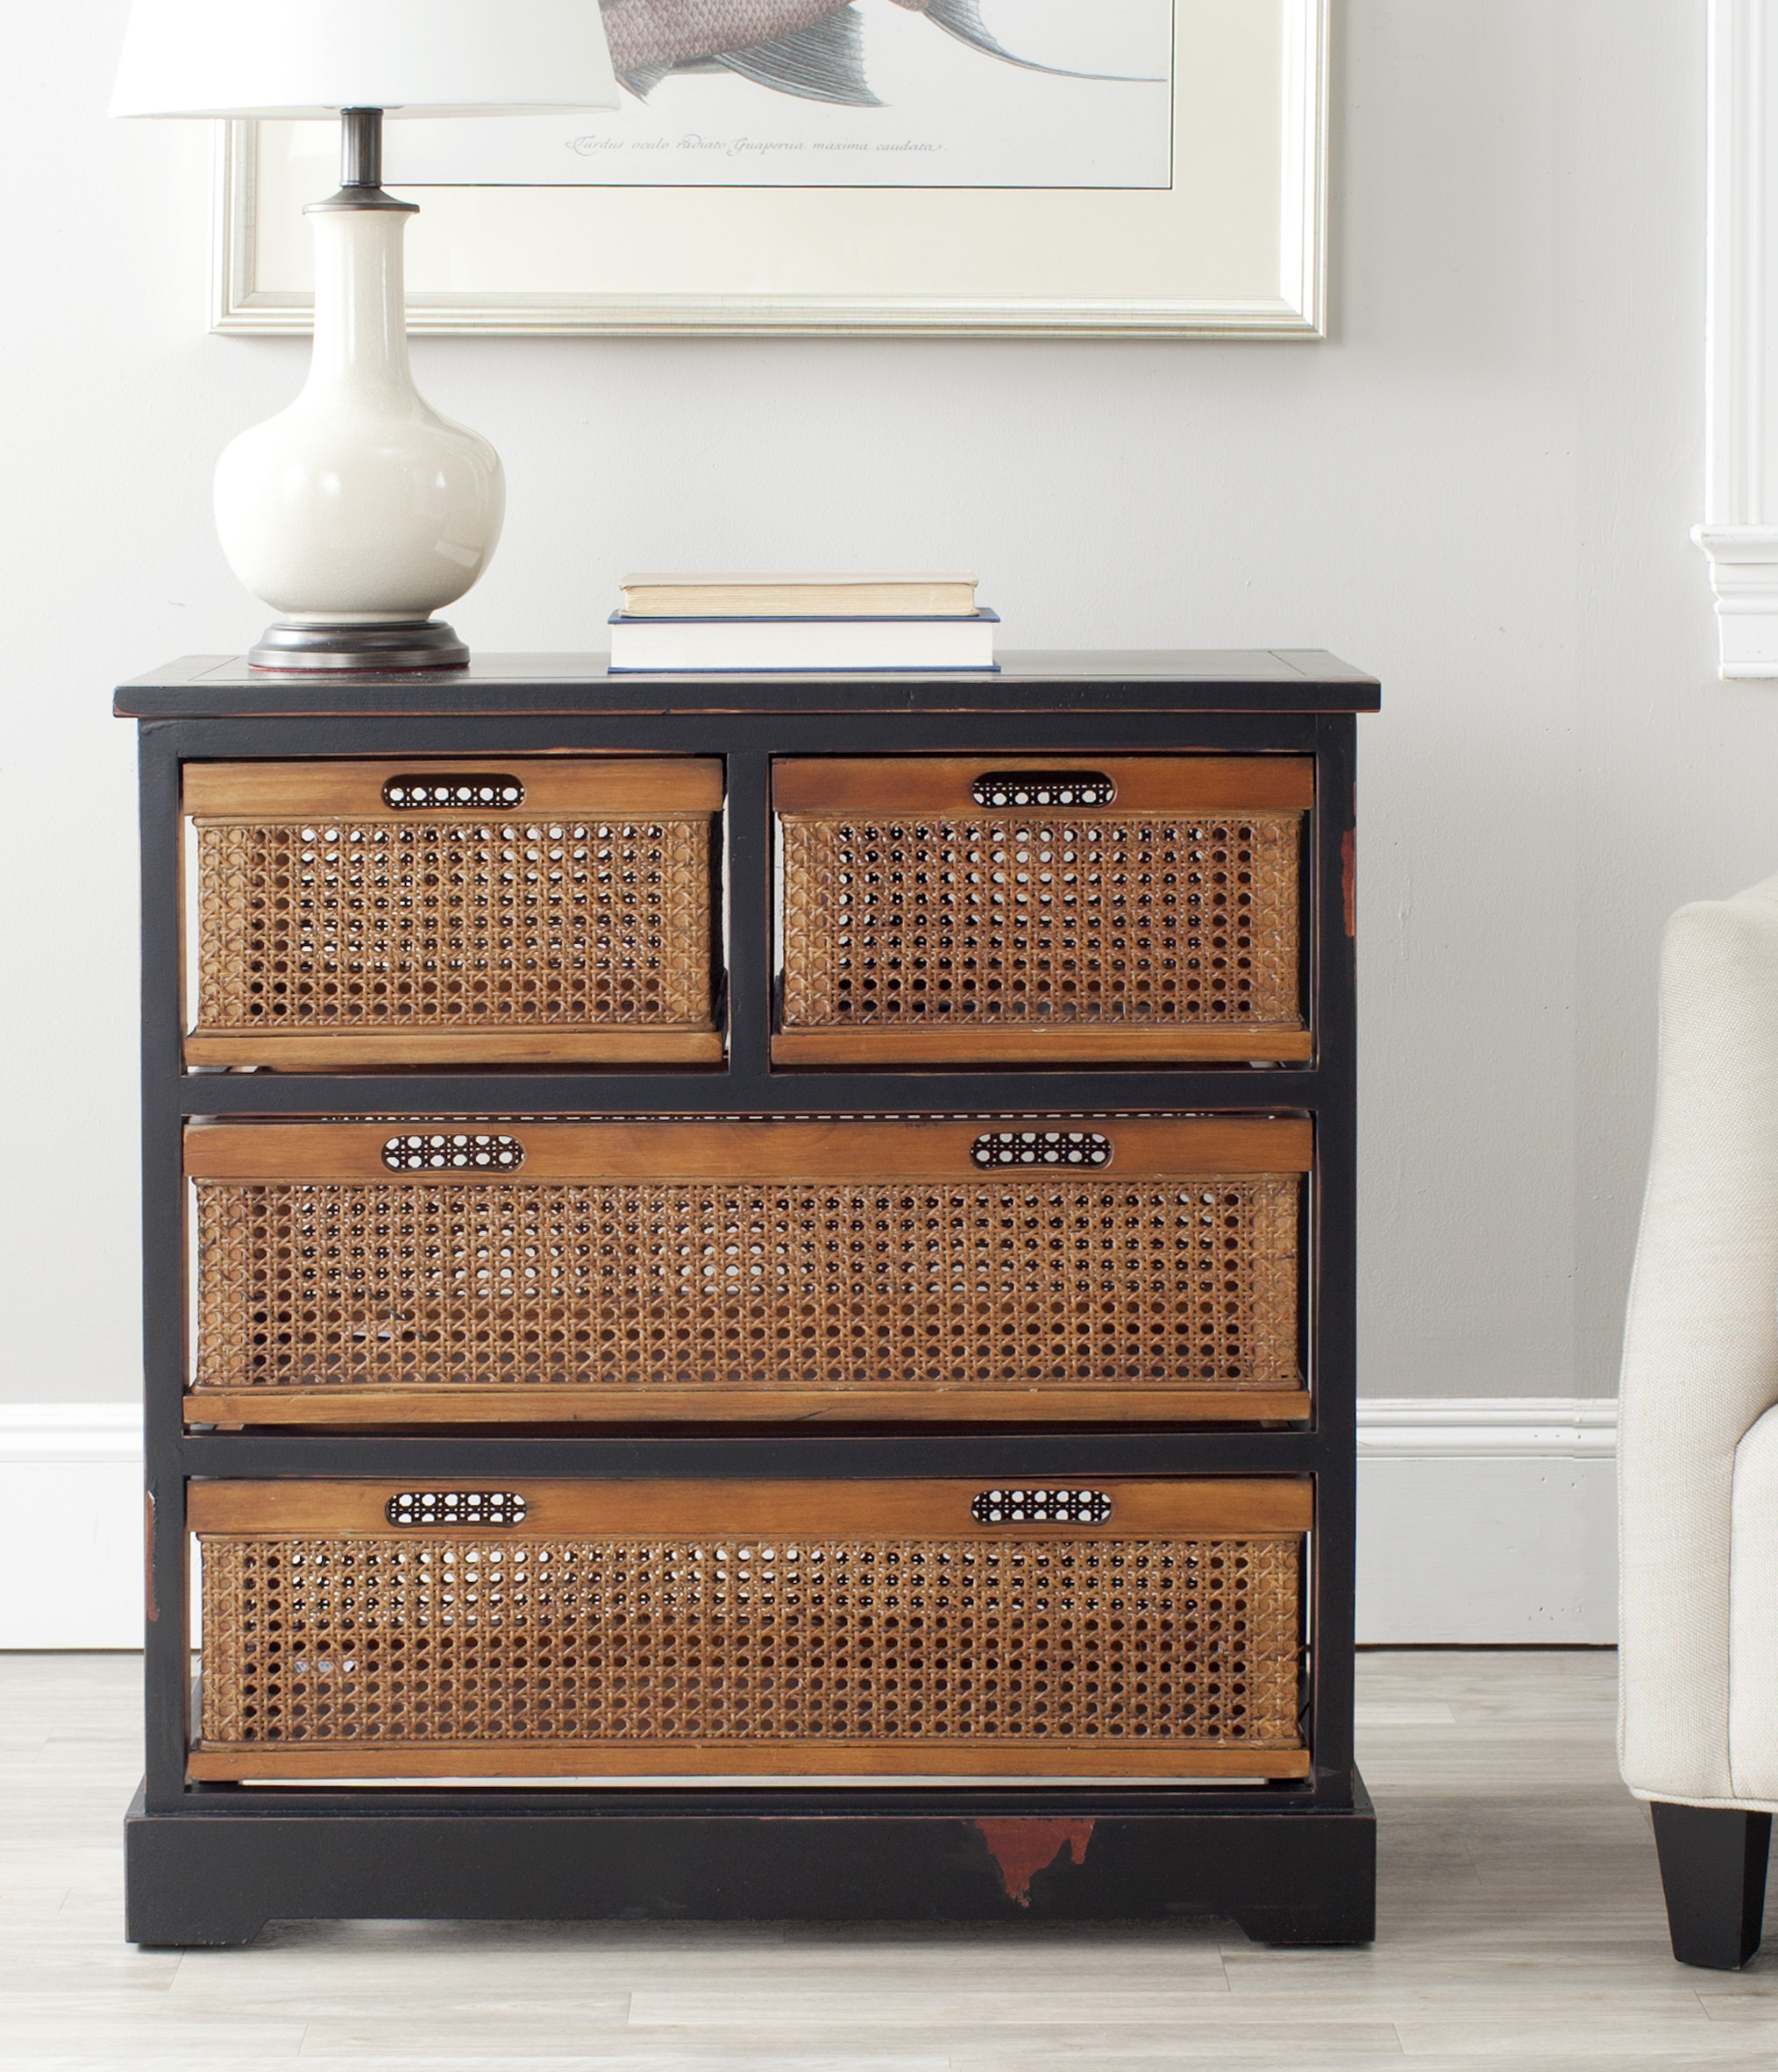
(1235, 248)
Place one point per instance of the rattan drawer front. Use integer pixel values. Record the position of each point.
(1029, 909)
(733, 1271)
(740, 1628)
(512, 911)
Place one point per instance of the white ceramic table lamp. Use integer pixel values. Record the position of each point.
(358, 512)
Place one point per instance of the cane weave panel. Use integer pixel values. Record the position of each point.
(1008, 1281)
(398, 923)
(1143, 919)
(334, 1640)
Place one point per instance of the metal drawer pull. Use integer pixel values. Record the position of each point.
(405, 793)
(1043, 787)
(1042, 1507)
(454, 1152)
(456, 1507)
(1041, 1147)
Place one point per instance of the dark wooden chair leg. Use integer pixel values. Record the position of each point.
(1713, 1872)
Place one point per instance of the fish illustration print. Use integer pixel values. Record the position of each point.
(812, 48)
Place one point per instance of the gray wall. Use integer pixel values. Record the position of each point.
(1479, 487)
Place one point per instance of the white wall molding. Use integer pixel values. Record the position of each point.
(1481, 1520)
(71, 1525)
(59, 1433)
(1487, 1520)
(1488, 1428)
(1740, 479)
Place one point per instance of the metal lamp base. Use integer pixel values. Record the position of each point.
(397, 644)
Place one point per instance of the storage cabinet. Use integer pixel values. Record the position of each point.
(748, 1293)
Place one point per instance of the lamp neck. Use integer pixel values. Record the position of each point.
(361, 165)
(361, 147)
(360, 302)
(360, 357)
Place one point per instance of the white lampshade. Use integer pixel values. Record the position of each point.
(309, 57)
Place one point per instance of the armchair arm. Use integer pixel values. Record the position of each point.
(1701, 1343)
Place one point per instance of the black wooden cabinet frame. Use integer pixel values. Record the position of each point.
(1290, 1861)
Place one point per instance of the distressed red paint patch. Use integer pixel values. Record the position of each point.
(1021, 1849)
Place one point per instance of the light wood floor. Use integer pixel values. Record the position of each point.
(1521, 1925)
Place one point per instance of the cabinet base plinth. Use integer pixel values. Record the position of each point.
(1301, 1876)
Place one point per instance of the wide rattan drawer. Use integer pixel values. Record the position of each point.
(1111, 1270)
(1024, 909)
(1110, 1630)
(511, 911)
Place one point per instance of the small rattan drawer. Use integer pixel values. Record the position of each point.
(511, 911)
(1106, 1629)
(1112, 1270)
(1114, 909)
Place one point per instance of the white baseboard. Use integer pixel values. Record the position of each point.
(71, 1525)
(1487, 1520)
(1481, 1521)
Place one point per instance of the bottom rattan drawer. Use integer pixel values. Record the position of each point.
(1120, 1629)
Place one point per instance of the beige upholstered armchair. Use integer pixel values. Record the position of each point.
(1698, 1435)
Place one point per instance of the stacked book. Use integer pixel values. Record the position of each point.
(730, 623)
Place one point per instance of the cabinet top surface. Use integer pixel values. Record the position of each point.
(1191, 679)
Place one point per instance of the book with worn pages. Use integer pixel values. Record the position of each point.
(642, 643)
(945, 596)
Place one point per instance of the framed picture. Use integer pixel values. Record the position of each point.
(1098, 168)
